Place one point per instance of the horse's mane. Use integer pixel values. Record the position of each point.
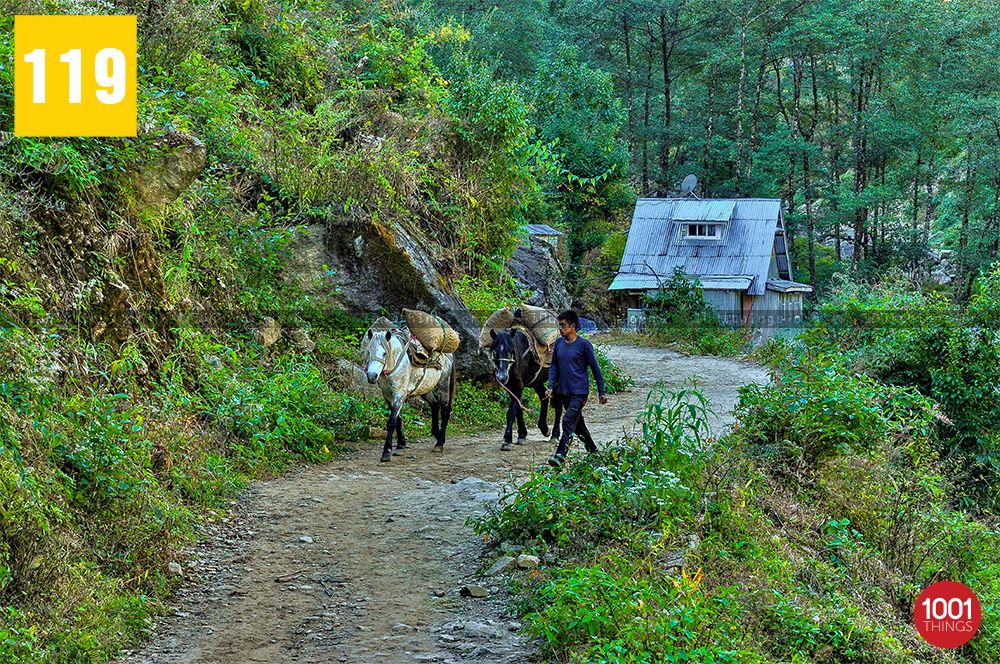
(378, 328)
(521, 342)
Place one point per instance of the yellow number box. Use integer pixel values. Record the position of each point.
(74, 76)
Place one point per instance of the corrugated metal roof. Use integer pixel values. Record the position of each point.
(710, 210)
(652, 282)
(786, 286)
(654, 247)
(725, 283)
(635, 282)
(541, 229)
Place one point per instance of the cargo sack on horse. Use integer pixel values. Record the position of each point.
(542, 323)
(499, 320)
(431, 331)
(543, 340)
(421, 357)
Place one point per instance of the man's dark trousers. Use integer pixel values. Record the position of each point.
(573, 423)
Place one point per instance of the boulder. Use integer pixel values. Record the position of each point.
(269, 333)
(526, 561)
(536, 267)
(352, 378)
(474, 591)
(179, 159)
(376, 266)
(301, 341)
(500, 565)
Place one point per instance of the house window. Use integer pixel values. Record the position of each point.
(700, 231)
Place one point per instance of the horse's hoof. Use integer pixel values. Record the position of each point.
(398, 452)
(385, 457)
(438, 448)
(522, 441)
(505, 446)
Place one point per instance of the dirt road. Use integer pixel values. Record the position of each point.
(359, 561)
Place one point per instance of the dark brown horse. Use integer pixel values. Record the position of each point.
(516, 368)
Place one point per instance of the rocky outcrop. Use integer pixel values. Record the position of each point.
(941, 266)
(179, 160)
(381, 267)
(536, 267)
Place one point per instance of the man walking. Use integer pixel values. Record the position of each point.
(568, 380)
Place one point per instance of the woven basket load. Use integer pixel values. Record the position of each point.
(431, 331)
(543, 352)
(499, 320)
(542, 323)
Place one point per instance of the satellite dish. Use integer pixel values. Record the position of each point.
(689, 183)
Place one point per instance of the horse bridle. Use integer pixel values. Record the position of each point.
(388, 351)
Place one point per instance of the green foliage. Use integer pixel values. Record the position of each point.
(815, 410)
(679, 547)
(616, 611)
(483, 297)
(921, 340)
(18, 638)
(616, 495)
(678, 313)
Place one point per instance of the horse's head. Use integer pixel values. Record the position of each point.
(374, 353)
(504, 354)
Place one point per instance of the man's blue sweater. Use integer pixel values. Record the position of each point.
(568, 373)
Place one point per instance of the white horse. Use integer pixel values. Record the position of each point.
(384, 353)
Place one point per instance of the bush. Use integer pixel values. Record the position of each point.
(615, 378)
(615, 495)
(920, 340)
(815, 409)
(678, 313)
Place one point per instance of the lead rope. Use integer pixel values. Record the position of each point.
(519, 403)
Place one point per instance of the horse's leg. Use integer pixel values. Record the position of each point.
(444, 395)
(400, 437)
(543, 416)
(508, 432)
(557, 424)
(445, 416)
(435, 413)
(390, 427)
(522, 431)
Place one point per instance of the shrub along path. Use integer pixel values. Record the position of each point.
(358, 561)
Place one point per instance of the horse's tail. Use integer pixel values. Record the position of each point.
(452, 383)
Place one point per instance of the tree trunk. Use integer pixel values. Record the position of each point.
(752, 146)
(626, 29)
(739, 102)
(964, 273)
(810, 221)
(666, 50)
(858, 90)
(709, 122)
(645, 116)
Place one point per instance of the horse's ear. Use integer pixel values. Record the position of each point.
(388, 335)
(369, 335)
(493, 335)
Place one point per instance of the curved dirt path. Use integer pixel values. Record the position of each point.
(359, 561)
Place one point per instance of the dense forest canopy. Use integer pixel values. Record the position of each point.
(877, 122)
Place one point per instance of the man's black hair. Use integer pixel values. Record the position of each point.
(569, 316)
